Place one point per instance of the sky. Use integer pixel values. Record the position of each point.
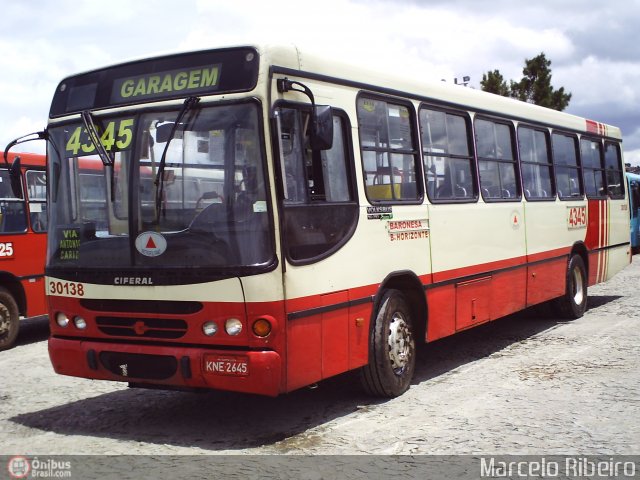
(592, 44)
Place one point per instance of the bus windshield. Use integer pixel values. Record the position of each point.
(205, 207)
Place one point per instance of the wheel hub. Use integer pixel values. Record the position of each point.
(400, 342)
(578, 286)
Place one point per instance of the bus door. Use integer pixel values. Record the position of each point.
(318, 215)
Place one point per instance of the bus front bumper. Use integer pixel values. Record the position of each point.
(258, 372)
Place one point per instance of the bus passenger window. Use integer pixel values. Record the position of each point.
(448, 160)
(535, 159)
(567, 168)
(592, 171)
(614, 172)
(496, 161)
(12, 209)
(388, 154)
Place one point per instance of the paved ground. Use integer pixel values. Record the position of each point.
(521, 385)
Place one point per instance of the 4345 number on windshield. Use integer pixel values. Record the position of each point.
(117, 135)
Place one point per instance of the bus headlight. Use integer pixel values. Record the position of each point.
(261, 328)
(210, 329)
(233, 326)
(80, 323)
(62, 319)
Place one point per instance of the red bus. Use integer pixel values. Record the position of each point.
(23, 242)
(211, 226)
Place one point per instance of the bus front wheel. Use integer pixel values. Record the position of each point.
(573, 303)
(392, 349)
(9, 320)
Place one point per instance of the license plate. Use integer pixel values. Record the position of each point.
(226, 365)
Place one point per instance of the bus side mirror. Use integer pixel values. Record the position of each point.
(163, 132)
(15, 174)
(321, 128)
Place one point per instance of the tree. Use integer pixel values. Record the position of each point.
(534, 87)
(493, 82)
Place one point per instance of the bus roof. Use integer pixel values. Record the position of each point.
(26, 159)
(430, 90)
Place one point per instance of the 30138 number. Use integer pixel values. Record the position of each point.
(71, 289)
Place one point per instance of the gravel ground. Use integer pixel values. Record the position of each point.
(521, 385)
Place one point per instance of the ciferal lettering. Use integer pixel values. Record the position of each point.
(132, 281)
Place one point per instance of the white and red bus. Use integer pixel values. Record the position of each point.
(23, 242)
(262, 219)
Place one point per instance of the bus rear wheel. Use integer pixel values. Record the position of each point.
(573, 303)
(392, 349)
(9, 320)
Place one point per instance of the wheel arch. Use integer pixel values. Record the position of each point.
(580, 248)
(410, 285)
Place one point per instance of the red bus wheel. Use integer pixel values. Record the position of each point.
(573, 303)
(392, 349)
(9, 320)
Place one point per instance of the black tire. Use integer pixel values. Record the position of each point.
(9, 320)
(573, 303)
(392, 348)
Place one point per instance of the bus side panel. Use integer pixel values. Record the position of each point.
(359, 323)
(335, 335)
(546, 280)
(304, 351)
(594, 238)
(508, 292)
(23, 255)
(619, 227)
(608, 224)
(482, 249)
(473, 302)
(441, 302)
(34, 292)
(553, 227)
(318, 345)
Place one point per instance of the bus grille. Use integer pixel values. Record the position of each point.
(141, 306)
(142, 327)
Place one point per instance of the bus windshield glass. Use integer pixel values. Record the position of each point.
(206, 207)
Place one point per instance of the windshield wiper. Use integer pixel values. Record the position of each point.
(106, 157)
(90, 126)
(189, 103)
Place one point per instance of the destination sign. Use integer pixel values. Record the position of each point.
(208, 72)
(162, 84)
